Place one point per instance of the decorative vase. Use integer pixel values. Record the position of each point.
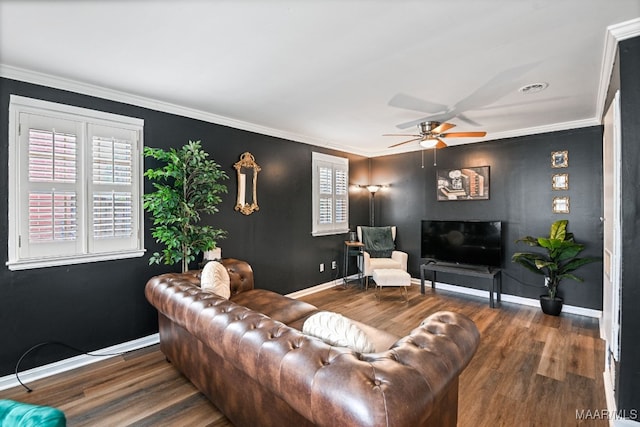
(213, 255)
(551, 306)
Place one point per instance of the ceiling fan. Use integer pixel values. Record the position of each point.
(431, 134)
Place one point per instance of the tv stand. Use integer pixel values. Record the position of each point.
(465, 270)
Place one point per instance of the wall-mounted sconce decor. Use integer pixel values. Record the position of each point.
(247, 166)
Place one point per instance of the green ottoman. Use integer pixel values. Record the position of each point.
(16, 414)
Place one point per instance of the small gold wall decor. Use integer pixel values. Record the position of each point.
(247, 166)
(560, 159)
(560, 205)
(560, 181)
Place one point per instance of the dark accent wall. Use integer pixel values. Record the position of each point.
(628, 378)
(93, 306)
(96, 305)
(520, 196)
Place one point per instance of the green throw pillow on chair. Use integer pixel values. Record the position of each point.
(378, 241)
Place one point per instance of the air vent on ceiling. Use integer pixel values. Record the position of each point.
(533, 88)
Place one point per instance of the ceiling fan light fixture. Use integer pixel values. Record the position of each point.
(428, 143)
(533, 88)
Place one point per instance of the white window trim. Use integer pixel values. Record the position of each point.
(18, 105)
(337, 162)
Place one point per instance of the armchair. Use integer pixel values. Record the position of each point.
(367, 264)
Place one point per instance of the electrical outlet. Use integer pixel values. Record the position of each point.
(322, 267)
(334, 265)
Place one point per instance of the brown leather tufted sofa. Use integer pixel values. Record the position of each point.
(248, 356)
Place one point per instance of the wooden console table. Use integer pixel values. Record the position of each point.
(483, 272)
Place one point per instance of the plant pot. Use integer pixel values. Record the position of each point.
(551, 306)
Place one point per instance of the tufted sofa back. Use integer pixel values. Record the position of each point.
(259, 371)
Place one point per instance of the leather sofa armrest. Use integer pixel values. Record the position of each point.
(240, 275)
(421, 366)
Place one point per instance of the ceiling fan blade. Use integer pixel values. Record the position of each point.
(409, 102)
(466, 119)
(496, 88)
(405, 142)
(440, 144)
(442, 128)
(400, 134)
(463, 135)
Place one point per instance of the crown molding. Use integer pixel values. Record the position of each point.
(555, 127)
(48, 80)
(625, 30)
(614, 34)
(43, 79)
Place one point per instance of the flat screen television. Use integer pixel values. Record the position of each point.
(463, 242)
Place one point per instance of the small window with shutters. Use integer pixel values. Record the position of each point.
(75, 185)
(330, 194)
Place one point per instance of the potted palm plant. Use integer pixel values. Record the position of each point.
(558, 261)
(186, 186)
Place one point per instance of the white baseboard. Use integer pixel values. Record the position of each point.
(588, 312)
(608, 394)
(320, 287)
(44, 371)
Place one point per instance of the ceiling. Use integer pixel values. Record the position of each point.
(326, 72)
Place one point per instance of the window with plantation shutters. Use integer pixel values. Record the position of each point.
(330, 194)
(111, 187)
(52, 176)
(75, 179)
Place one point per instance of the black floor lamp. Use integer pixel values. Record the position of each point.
(373, 189)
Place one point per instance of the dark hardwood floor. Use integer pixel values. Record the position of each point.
(530, 369)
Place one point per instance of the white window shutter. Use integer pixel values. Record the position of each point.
(113, 221)
(341, 196)
(330, 194)
(50, 187)
(75, 185)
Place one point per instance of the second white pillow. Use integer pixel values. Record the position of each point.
(335, 329)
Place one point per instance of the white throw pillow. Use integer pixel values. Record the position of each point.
(335, 329)
(215, 278)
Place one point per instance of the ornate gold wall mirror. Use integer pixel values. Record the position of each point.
(247, 167)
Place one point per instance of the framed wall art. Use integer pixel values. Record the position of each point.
(560, 181)
(560, 205)
(560, 159)
(470, 183)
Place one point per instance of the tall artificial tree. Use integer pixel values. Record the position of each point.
(185, 187)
